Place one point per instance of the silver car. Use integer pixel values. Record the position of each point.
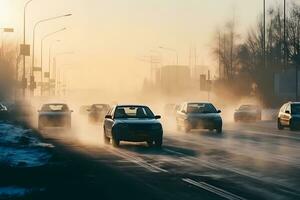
(196, 115)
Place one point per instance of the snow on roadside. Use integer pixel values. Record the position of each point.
(13, 192)
(19, 147)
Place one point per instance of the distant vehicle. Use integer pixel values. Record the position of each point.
(196, 115)
(83, 110)
(247, 112)
(97, 112)
(54, 115)
(169, 109)
(133, 123)
(3, 112)
(289, 116)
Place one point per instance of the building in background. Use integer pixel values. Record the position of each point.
(174, 78)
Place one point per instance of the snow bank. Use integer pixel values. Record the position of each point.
(19, 147)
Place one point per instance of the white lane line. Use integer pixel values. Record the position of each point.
(262, 133)
(216, 166)
(137, 160)
(218, 191)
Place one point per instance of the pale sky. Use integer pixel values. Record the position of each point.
(107, 36)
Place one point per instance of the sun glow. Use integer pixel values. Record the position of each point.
(5, 13)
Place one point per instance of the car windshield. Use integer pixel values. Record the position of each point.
(100, 107)
(201, 108)
(295, 108)
(247, 107)
(133, 112)
(55, 108)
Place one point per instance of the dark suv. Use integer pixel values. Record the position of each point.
(289, 116)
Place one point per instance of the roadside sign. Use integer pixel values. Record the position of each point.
(25, 49)
(37, 69)
(8, 30)
(46, 74)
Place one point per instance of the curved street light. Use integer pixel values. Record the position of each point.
(33, 45)
(34, 30)
(42, 45)
(24, 42)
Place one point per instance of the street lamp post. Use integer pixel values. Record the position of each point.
(24, 82)
(42, 45)
(49, 63)
(33, 45)
(56, 71)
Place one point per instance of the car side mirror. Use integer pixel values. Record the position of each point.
(108, 117)
(89, 110)
(287, 112)
(219, 111)
(157, 117)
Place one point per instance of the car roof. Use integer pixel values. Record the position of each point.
(130, 105)
(47, 104)
(294, 102)
(199, 102)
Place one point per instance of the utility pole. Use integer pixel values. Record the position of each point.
(24, 81)
(284, 35)
(264, 34)
(219, 56)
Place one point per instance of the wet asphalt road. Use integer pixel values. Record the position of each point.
(248, 161)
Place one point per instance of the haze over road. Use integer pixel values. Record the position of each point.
(247, 161)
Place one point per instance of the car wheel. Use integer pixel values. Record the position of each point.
(150, 143)
(219, 129)
(115, 142)
(258, 118)
(158, 142)
(292, 126)
(279, 126)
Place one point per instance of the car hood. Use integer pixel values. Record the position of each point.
(136, 121)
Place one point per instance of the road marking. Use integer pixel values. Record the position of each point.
(215, 166)
(137, 160)
(262, 133)
(218, 191)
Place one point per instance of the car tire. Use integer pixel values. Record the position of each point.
(292, 126)
(115, 142)
(150, 143)
(279, 126)
(219, 129)
(158, 142)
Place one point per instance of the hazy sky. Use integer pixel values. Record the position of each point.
(108, 36)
